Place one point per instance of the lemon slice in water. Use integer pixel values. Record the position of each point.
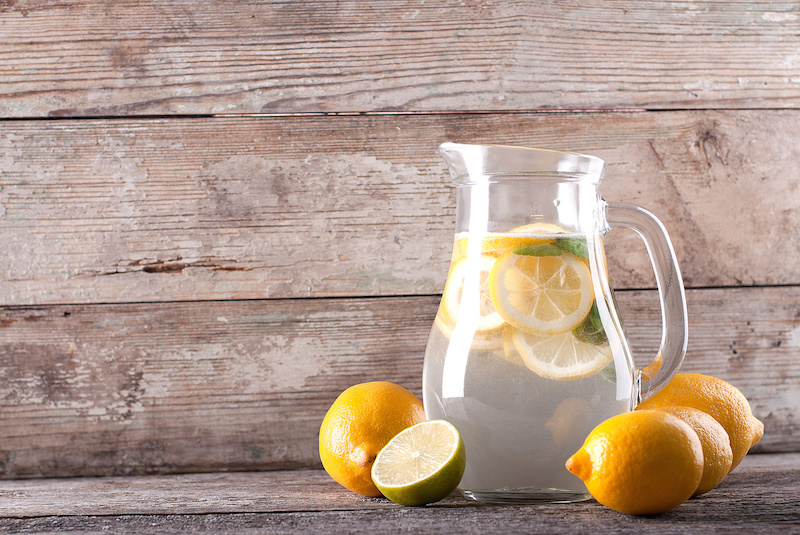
(561, 356)
(543, 295)
(474, 300)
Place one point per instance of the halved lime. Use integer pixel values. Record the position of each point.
(422, 464)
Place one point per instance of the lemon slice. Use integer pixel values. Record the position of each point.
(562, 356)
(422, 464)
(498, 244)
(488, 341)
(478, 298)
(543, 295)
(509, 351)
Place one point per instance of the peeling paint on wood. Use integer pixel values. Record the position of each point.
(186, 288)
(148, 57)
(349, 206)
(239, 385)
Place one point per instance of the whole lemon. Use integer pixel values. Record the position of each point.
(717, 454)
(723, 401)
(640, 463)
(362, 420)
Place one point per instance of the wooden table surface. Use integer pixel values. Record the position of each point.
(218, 215)
(762, 496)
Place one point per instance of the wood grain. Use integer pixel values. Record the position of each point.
(760, 496)
(177, 57)
(243, 385)
(216, 216)
(232, 208)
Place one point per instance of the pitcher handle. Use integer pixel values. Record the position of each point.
(674, 317)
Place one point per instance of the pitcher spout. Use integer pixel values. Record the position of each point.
(470, 163)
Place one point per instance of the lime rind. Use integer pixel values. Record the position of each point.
(422, 464)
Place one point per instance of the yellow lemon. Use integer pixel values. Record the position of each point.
(570, 422)
(717, 454)
(723, 401)
(362, 420)
(542, 295)
(652, 369)
(640, 463)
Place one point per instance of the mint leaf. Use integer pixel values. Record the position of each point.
(591, 330)
(576, 246)
(609, 373)
(539, 250)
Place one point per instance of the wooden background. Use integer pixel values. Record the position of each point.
(218, 215)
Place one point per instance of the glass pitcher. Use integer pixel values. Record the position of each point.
(528, 353)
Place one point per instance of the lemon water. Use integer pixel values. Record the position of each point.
(523, 385)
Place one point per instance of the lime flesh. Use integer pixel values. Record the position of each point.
(421, 465)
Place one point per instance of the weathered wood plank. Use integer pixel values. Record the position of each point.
(209, 386)
(230, 208)
(243, 492)
(748, 336)
(760, 496)
(278, 491)
(191, 386)
(177, 57)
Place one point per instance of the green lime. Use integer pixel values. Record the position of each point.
(421, 464)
